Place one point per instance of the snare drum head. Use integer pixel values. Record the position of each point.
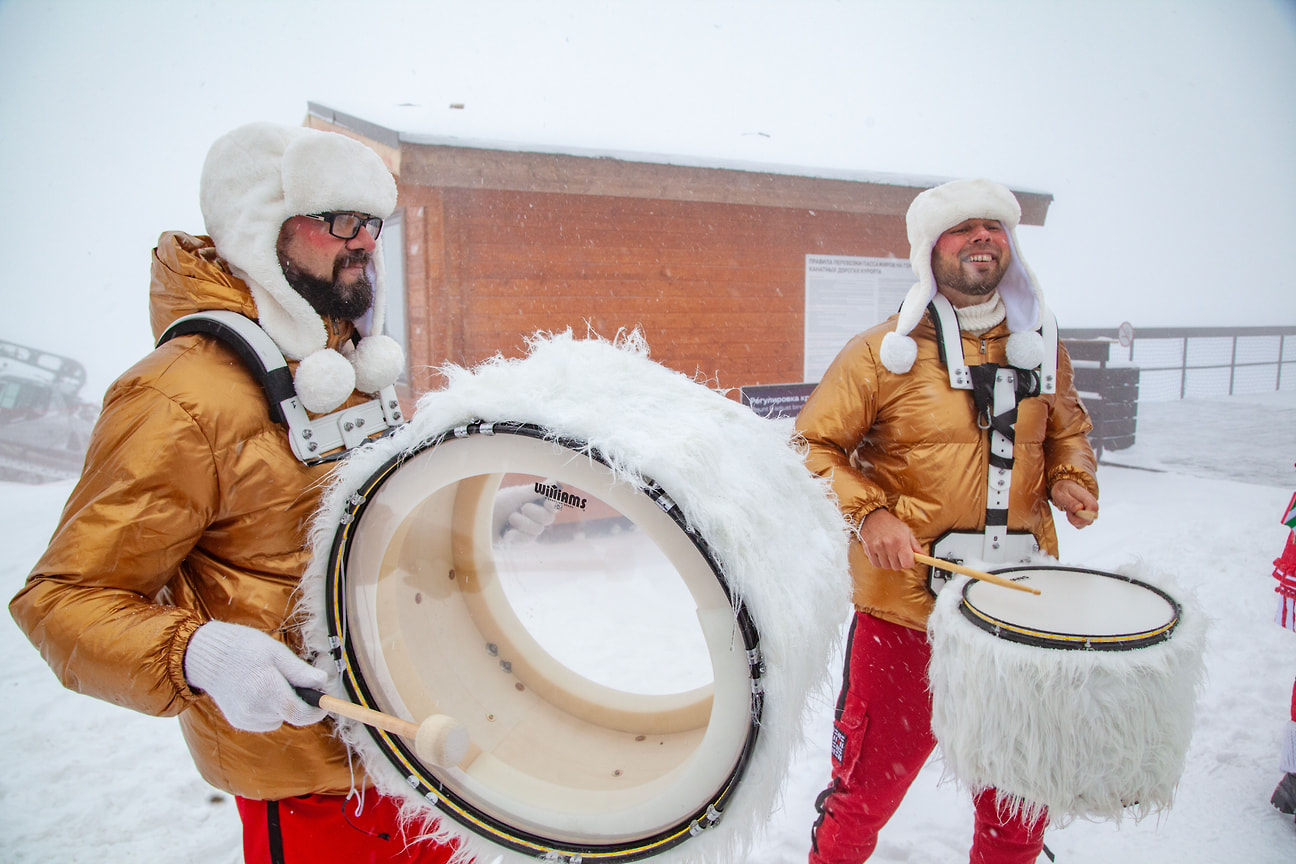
(1075, 609)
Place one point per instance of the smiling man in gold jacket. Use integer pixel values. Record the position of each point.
(901, 425)
(168, 586)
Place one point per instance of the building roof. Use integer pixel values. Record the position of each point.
(421, 159)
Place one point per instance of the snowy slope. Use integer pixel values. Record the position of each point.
(89, 782)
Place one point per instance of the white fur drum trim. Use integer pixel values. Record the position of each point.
(1087, 734)
(741, 483)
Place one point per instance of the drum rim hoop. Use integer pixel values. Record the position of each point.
(423, 781)
(1039, 638)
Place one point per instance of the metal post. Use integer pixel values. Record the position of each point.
(1183, 369)
(1233, 365)
(1282, 340)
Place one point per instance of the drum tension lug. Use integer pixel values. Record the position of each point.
(704, 822)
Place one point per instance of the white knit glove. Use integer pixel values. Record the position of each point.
(521, 514)
(251, 676)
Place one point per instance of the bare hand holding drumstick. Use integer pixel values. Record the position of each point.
(888, 542)
(1079, 505)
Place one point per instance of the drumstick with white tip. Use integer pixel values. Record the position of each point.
(439, 740)
(975, 574)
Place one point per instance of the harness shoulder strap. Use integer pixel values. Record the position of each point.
(1049, 368)
(257, 351)
(951, 345)
(323, 439)
(950, 342)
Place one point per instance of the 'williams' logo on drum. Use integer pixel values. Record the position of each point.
(555, 493)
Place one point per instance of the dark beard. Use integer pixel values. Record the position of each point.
(330, 298)
(953, 278)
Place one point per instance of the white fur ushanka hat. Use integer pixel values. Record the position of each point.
(931, 214)
(254, 179)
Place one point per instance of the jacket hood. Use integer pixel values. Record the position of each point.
(255, 178)
(188, 276)
(933, 213)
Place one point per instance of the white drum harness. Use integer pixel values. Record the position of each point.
(324, 439)
(996, 392)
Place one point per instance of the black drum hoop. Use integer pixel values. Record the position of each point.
(424, 781)
(1057, 640)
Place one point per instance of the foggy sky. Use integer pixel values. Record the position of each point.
(1165, 130)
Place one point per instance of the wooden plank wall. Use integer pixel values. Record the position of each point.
(717, 289)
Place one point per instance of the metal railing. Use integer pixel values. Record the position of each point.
(1203, 362)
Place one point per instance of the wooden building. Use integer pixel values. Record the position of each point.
(708, 262)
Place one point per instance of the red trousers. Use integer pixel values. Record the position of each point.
(327, 829)
(881, 739)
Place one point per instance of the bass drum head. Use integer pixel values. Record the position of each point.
(609, 687)
(1076, 609)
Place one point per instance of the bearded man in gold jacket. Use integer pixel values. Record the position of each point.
(897, 428)
(168, 586)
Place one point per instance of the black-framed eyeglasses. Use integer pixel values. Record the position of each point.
(345, 226)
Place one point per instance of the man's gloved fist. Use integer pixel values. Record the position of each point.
(251, 676)
(521, 514)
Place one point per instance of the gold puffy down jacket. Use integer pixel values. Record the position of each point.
(911, 443)
(191, 507)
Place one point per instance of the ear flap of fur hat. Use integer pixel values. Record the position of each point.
(255, 178)
(898, 350)
(932, 213)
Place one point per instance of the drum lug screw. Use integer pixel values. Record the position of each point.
(506, 666)
(492, 649)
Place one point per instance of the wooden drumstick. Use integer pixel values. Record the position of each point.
(975, 574)
(1086, 515)
(439, 740)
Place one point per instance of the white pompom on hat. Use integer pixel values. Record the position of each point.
(254, 179)
(931, 214)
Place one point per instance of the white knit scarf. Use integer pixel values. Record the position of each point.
(981, 317)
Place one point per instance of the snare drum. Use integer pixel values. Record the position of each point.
(632, 679)
(1079, 700)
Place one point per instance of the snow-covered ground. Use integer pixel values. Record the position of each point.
(1199, 494)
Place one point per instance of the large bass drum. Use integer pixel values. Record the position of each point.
(629, 676)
